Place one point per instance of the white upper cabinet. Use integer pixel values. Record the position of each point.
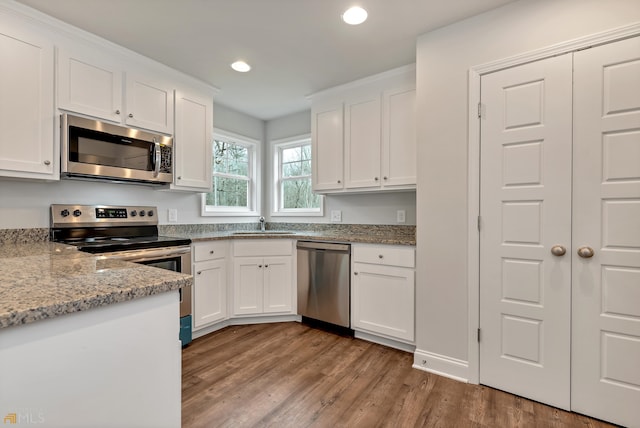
(362, 141)
(93, 84)
(399, 150)
(192, 142)
(90, 84)
(327, 154)
(149, 103)
(27, 148)
(364, 134)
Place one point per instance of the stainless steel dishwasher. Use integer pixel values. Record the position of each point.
(324, 282)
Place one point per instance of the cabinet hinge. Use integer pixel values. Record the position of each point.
(480, 110)
(479, 222)
(478, 335)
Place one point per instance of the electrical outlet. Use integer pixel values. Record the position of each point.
(173, 215)
(336, 215)
(401, 216)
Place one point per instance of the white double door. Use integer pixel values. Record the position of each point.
(560, 235)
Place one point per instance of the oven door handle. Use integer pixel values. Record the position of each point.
(148, 254)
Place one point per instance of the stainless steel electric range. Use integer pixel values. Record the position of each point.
(127, 233)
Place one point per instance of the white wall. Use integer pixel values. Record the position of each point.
(372, 208)
(444, 57)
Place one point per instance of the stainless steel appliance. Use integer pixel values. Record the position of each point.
(324, 282)
(127, 233)
(92, 149)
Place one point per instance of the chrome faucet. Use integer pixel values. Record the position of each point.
(262, 224)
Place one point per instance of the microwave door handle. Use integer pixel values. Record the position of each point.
(156, 159)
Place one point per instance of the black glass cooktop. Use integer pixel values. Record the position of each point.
(113, 244)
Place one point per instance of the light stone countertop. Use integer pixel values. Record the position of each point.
(44, 280)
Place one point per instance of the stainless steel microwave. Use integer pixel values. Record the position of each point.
(92, 149)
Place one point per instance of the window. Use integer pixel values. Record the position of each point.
(235, 190)
(292, 174)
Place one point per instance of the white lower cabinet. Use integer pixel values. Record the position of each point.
(209, 283)
(383, 291)
(263, 277)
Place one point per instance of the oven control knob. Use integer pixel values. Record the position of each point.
(77, 213)
(142, 213)
(150, 213)
(134, 213)
(64, 213)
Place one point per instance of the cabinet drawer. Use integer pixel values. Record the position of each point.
(209, 251)
(385, 255)
(262, 247)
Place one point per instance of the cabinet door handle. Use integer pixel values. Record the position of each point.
(47, 162)
(384, 178)
(260, 266)
(131, 115)
(380, 256)
(266, 266)
(211, 252)
(355, 273)
(339, 181)
(376, 178)
(117, 111)
(199, 272)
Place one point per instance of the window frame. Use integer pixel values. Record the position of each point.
(277, 146)
(253, 191)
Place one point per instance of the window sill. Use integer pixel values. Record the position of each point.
(297, 214)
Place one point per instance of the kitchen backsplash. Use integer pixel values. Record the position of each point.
(403, 230)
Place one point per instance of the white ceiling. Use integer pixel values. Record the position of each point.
(296, 47)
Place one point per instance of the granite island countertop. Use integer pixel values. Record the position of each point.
(44, 280)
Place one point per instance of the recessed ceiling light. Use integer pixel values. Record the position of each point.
(241, 66)
(354, 15)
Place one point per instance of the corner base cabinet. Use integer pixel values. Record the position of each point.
(263, 277)
(383, 291)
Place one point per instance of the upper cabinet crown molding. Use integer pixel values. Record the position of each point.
(64, 34)
(384, 78)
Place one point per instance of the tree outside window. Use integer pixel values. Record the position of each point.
(230, 175)
(293, 188)
(234, 174)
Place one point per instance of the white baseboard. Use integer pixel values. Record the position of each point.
(244, 321)
(441, 365)
(384, 341)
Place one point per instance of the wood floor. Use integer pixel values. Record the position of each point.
(291, 375)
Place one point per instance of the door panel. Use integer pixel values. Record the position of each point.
(605, 381)
(525, 195)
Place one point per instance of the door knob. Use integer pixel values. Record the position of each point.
(558, 250)
(586, 252)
